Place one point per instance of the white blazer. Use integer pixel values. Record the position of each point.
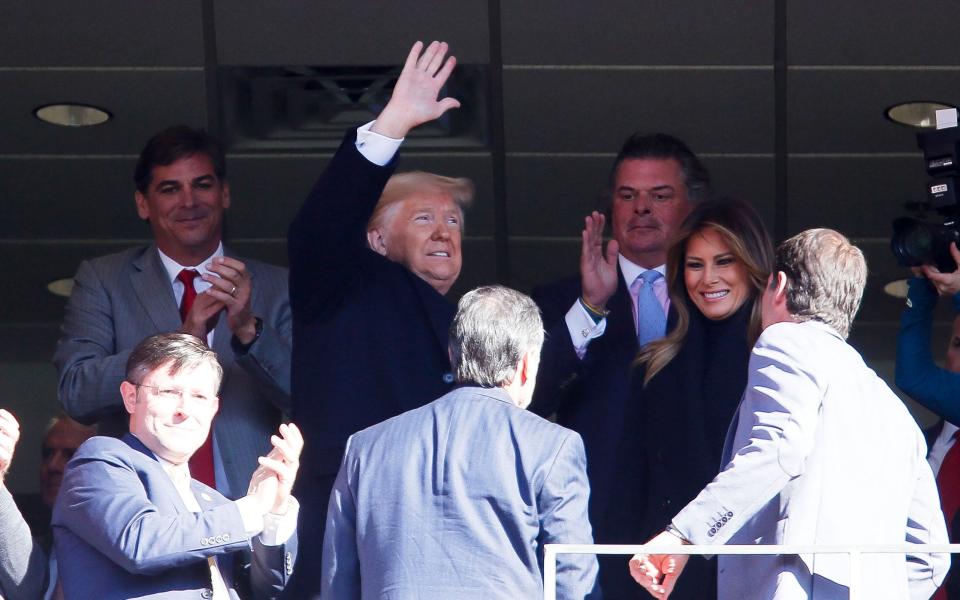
(820, 452)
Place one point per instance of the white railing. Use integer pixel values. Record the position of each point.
(552, 550)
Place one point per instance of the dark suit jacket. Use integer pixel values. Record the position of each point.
(456, 499)
(120, 299)
(370, 337)
(122, 531)
(590, 395)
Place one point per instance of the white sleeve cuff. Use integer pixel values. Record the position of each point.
(251, 515)
(277, 529)
(378, 149)
(582, 328)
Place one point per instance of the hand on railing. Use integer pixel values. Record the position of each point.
(658, 573)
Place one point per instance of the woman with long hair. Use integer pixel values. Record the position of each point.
(687, 385)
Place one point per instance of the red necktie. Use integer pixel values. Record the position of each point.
(201, 463)
(948, 482)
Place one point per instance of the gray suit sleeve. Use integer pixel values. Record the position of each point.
(562, 504)
(23, 564)
(269, 357)
(341, 560)
(780, 406)
(90, 368)
(925, 572)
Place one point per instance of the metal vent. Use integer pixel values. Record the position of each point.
(291, 108)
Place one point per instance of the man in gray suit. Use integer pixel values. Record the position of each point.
(821, 452)
(185, 281)
(457, 498)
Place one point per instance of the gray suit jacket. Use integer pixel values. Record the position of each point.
(456, 500)
(122, 531)
(120, 299)
(822, 453)
(23, 563)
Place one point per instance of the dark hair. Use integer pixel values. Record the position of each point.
(173, 144)
(662, 146)
(743, 230)
(181, 351)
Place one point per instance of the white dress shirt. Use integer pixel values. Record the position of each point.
(580, 324)
(940, 446)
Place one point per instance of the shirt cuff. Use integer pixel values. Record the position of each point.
(582, 328)
(251, 515)
(277, 529)
(378, 149)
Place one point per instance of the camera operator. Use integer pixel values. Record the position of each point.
(935, 388)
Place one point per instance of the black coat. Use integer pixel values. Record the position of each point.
(369, 336)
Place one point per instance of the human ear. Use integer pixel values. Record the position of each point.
(128, 392)
(377, 241)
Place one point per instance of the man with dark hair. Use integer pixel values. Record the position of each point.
(185, 281)
(596, 322)
(130, 521)
(820, 453)
(457, 498)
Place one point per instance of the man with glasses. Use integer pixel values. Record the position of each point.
(130, 521)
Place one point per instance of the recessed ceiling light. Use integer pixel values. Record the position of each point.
(920, 113)
(61, 287)
(897, 289)
(72, 115)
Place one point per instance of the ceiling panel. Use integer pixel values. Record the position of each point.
(627, 32)
(548, 110)
(142, 103)
(267, 190)
(88, 198)
(361, 32)
(843, 111)
(883, 32)
(57, 33)
(860, 196)
(549, 196)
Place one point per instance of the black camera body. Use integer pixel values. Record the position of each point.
(917, 241)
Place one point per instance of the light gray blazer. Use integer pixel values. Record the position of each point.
(822, 453)
(456, 499)
(120, 299)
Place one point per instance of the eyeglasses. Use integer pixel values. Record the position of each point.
(176, 394)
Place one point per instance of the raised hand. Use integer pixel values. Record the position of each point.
(414, 100)
(598, 270)
(9, 434)
(273, 480)
(658, 573)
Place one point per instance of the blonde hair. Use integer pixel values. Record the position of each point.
(826, 276)
(404, 185)
(742, 229)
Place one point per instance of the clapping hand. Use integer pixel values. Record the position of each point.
(273, 480)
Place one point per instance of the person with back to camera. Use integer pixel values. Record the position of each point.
(686, 386)
(936, 388)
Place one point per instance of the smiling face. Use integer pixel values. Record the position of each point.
(171, 413)
(423, 233)
(649, 203)
(184, 203)
(717, 280)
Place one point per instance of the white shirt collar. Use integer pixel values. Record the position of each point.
(631, 270)
(173, 268)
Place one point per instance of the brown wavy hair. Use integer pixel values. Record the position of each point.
(743, 231)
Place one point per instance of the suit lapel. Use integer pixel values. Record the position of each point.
(438, 311)
(621, 327)
(153, 289)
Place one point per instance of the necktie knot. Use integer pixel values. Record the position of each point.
(187, 276)
(649, 277)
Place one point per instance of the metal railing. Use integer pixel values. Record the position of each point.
(855, 552)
